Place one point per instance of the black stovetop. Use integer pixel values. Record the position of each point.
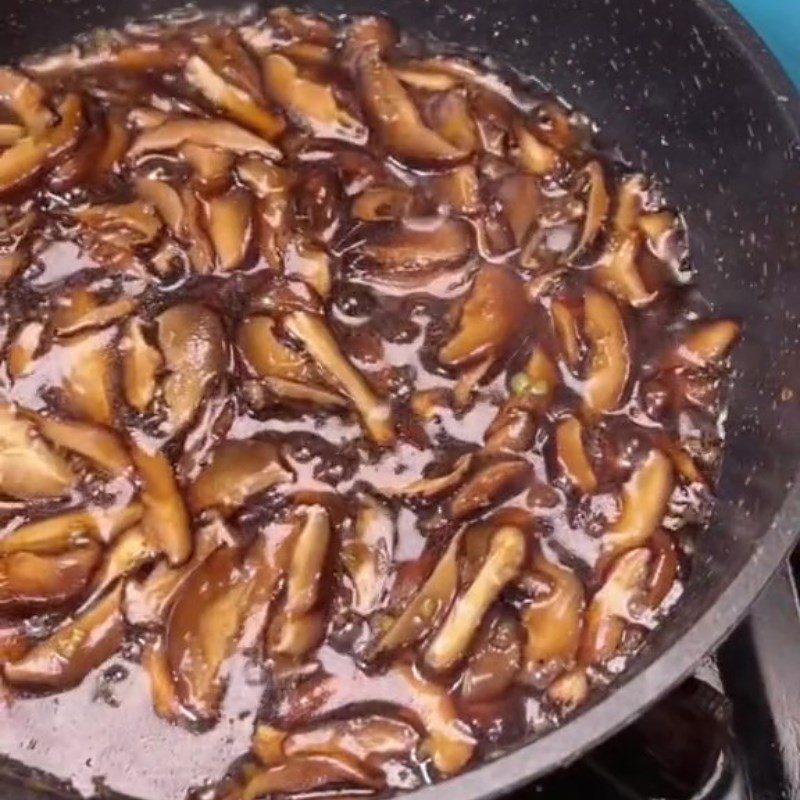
(731, 732)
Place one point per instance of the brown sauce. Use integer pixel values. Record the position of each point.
(357, 414)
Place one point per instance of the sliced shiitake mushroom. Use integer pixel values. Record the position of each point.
(31, 581)
(141, 363)
(237, 470)
(148, 600)
(502, 564)
(29, 468)
(309, 773)
(287, 373)
(81, 310)
(71, 529)
(10, 134)
(428, 605)
(165, 200)
(704, 344)
(317, 339)
(609, 355)
(367, 556)
(553, 620)
(296, 636)
(644, 503)
(129, 551)
(162, 685)
(203, 626)
(382, 203)
(88, 375)
(308, 559)
(98, 444)
(428, 488)
(491, 317)
(395, 118)
(166, 521)
(565, 324)
(449, 114)
(175, 132)
(406, 248)
(450, 742)
(366, 738)
(24, 160)
(193, 343)
(533, 155)
(572, 457)
(597, 205)
(137, 220)
(212, 166)
(490, 484)
(309, 264)
(532, 394)
(610, 608)
(569, 690)
(25, 98)
(232, 100)
(313, 103)
(74, 649)
(495, 659)
(230, 227)
(617, 270)
(22, 349)
(457, 189)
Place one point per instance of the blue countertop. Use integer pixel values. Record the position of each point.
(778, 24)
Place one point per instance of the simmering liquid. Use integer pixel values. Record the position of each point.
(357, 414)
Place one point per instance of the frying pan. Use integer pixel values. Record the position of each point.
(689, 93)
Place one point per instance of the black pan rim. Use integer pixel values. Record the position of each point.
(631, 695)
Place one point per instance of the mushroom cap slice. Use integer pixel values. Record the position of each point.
(401, 249)
(29, 468)
(502, 564)
(491, 317)
(428, 605)
(434, 487)
(704, 344)
(367, 556)
(166, 521)
(308, 773)
(644, 503)
(101, 446)
(71, 529)
(554, 621)
(192, 341)
(395, 117)
(141, 363)
(230, 227)
(313, 103)
(31, 581)
(203, 627)
(572, 456)
(609, 354)
(173, 133)
(77, 647)
(234, 101)
(312, 331)
(88, 375)
(489, 485)
(609, 609)
(237, 470)
(307, 561)
(26, 99)
(450, 741)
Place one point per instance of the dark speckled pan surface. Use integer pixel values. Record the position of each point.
(688, 92)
